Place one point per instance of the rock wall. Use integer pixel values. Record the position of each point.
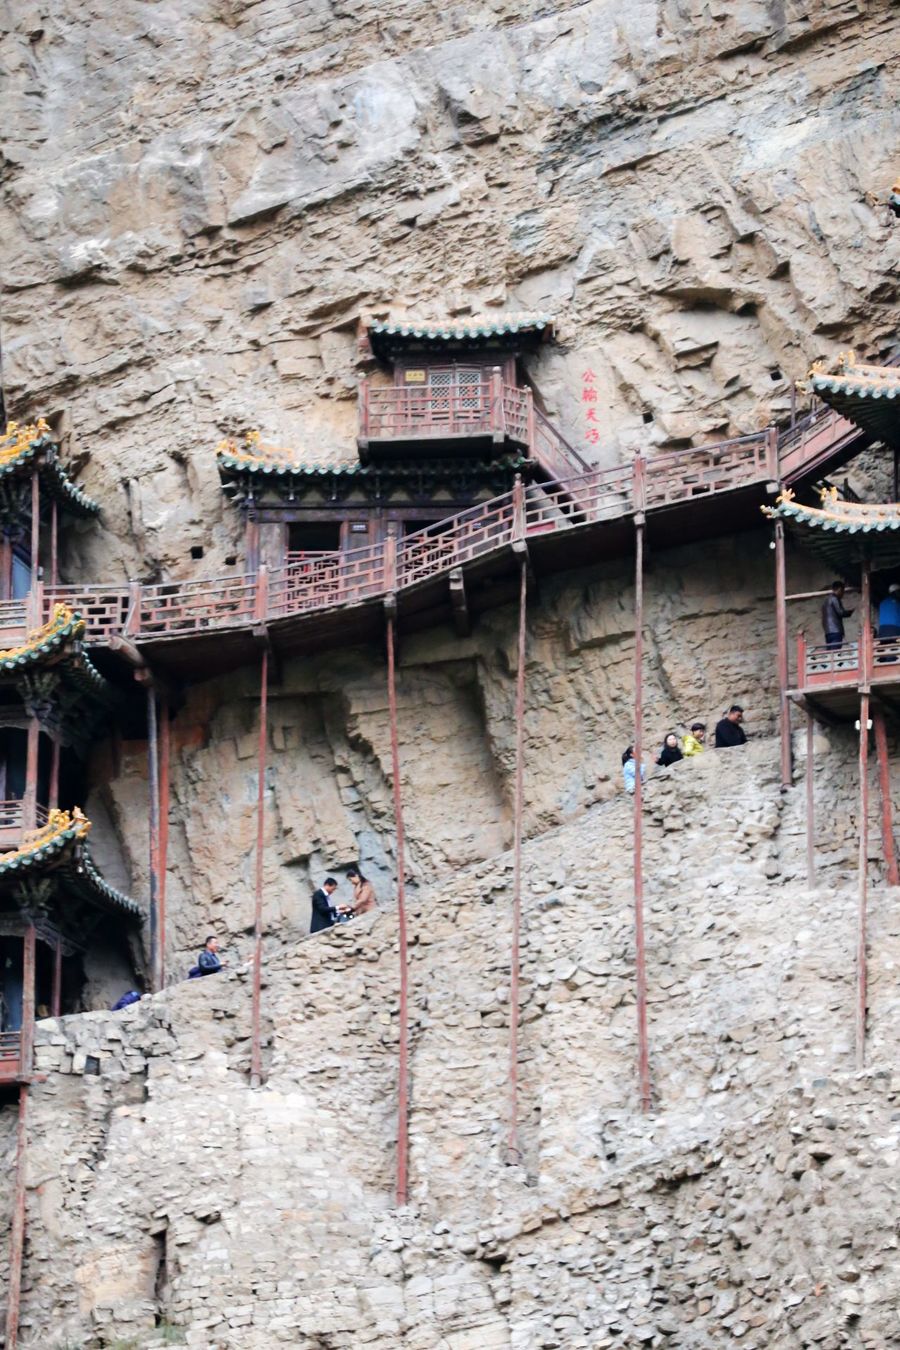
(756, 1202)
(198, 202)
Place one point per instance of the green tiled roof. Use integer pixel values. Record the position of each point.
(843, 533)
(397, 469)
(65, 851)
(22, 448)
(867, 395)
(448, 330)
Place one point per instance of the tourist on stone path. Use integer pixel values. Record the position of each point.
(670, 752)
(324, 915)
(729, 731)
(628, 769)
(208, 962)
(889, 613)
(363, 892)
(693, 741)
(834, 614)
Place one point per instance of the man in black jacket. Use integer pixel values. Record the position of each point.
(322, 911)
(729, 731)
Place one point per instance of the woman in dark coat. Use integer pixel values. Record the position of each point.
(670, 752)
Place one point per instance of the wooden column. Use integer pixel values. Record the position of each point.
(35, 524)
(53, 801)
(403, 1059)
(862, 903)
(889, 848)
(784, 703)
(29, 944)
(513, 1150)
(54, 544)
(56, 991)
(164, 753)
(29, 805)
(810, 802)
(640, 953)
(256, 1013)
(153, 820)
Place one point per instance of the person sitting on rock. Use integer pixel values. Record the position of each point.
(729, 731)
(629, 769)
(324, 915)
(693, 741)
(208, 962)
(363, 892)
(670, 752)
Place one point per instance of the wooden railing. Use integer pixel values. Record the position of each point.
(425, 411)
(12, 815)
(816, 441)
(322, 581)
(819, 665)
(10, 1056)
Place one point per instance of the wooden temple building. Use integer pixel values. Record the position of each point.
(54, 903)
(461, 494)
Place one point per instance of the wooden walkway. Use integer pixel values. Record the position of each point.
(458, 567)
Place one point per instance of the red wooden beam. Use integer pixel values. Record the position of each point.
(54, 544)
(513, 1150)
(640, 954)
(863, 869)
(784, 703)
(35, 524)
(153, 818)
(884, 783)
(164, 754)
(810, 801)
(256, 1014)
(403, 1065)
(56, 988)
(29, 806)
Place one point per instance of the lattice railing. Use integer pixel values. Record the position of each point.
(322, 581)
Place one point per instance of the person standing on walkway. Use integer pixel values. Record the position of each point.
(629, 768)
(363, 892)
(889, 613)
(323, 914)
(729, 731)
(693, 741)
(670, 752)
(834, 614)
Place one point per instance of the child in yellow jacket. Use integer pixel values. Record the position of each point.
(693, 741)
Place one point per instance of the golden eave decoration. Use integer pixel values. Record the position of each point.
(62, 628)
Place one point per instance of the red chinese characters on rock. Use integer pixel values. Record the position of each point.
(589, 399)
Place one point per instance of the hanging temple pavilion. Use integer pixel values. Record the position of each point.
(461, 495)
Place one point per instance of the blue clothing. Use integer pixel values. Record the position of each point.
(628, 770)
(889, 616)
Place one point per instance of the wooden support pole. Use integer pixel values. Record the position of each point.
(513, 1150)
(256, 1017)
(56, 989)
(35, 524)
(29, 945)
(54, 544)
(889, 847)
(403, 1065)
(153, 775)
(29, 805)
(784, 702)
(640, 953)
(810, 801)
(17, 1229)
(862, 914)
(461, 619)
(164, 752)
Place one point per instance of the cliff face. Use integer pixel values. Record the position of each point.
(757, 1205)
(199, 200)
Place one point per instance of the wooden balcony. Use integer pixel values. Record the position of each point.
(14, 825)
(831, 676)
(10, 1057)
(469, 418)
